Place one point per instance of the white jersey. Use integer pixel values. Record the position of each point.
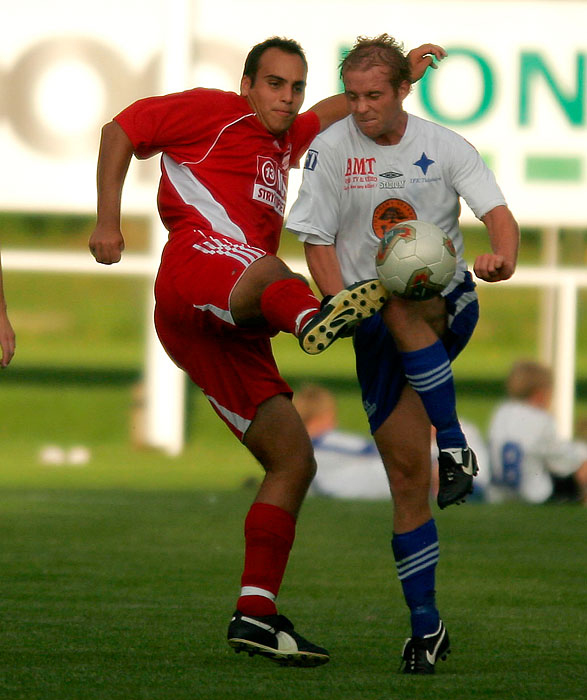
(525, 451)
(354, 190)
(349, 466)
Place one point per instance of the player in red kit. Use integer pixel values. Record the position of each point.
(221, 292)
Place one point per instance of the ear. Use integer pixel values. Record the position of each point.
(404, 90)
(245, 85)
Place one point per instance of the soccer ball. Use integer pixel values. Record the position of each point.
(415, 260)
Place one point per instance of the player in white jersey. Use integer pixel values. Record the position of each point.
(364, 189)
(528, 458)
(349, 463)
(376, 168)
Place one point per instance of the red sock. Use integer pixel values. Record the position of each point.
(288, 304)
(269, 536)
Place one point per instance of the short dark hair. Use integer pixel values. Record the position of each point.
(275, 42)
(382, 50)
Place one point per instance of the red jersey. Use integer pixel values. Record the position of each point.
(222, 171)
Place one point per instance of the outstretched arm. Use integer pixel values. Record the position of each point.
(7, 337)
(504, 236)
(106, 242)
(334, 108)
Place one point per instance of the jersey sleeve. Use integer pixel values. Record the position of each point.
(472, 179)
(154, 124)
(314, 216)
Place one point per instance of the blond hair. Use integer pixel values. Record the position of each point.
(312, 401)
(382, 50)
(526, 378)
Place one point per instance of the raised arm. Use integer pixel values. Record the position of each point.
(106, 242)
(423, 58)
(7, 337)
(504, 236)
(331, 110)
(334, 108)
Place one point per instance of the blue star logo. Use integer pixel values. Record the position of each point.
(424, 163)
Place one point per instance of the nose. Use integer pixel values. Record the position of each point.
(360, 105)
(287, 94)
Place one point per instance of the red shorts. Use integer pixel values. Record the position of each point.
(234, 367)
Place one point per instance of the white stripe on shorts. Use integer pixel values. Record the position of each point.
(240, 423)
(222, 314)
(243, 253)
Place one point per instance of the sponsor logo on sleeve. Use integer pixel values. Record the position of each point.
(311, 160)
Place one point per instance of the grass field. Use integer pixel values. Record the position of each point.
(118, 577)
(123, 594)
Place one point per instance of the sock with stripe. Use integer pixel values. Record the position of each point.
(429, 372)
(269, 536)
(288, 304)
(416, 556)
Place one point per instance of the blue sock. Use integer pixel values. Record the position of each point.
(416, 556)
(429, 372)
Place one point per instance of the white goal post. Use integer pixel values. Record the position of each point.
(564, 283)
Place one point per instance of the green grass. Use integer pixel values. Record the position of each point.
(117, 578)
(80, 349)
(125, 594)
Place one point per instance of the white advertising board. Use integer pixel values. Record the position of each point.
(514, 85)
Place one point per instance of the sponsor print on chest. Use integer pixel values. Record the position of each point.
(271, 181)
(362, 173)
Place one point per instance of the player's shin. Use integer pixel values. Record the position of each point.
(416, 556)
(269, 536)
(429, 372)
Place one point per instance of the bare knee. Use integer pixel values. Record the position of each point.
(415, 324)
(410, 490)
(408, 473)
(299, 468)
(286, 483)
(403, 441)
(279, 441)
